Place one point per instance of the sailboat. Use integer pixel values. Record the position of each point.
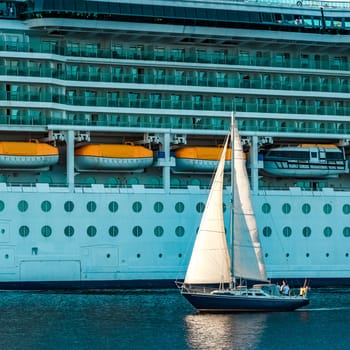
(210, 283)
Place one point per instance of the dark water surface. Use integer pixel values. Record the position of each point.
(162, 319)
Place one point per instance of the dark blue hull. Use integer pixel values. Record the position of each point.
(235, 303)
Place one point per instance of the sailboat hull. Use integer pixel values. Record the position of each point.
(236, 303)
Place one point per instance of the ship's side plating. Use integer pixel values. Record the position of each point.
(167, 75)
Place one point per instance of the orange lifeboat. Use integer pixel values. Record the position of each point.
(200, 159)
(27, 155)
(112, 157)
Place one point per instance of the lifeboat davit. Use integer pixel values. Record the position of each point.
(112, 157)
(27, 155)
(200, 159)
(306, 161)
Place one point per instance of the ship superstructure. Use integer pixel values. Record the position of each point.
(119, 88)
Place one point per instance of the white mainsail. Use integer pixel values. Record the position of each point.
(210, 260)
(248, 261)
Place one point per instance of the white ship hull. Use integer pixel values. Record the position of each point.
(127, 260)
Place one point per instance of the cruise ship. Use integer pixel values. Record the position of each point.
(112, 112)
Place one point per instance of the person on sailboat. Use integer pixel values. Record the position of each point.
(284, 288)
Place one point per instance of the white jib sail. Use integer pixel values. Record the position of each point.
(210, 260)
(248, 261)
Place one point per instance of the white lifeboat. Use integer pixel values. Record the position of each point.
(306, 161)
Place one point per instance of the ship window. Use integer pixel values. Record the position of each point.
(179, 207)
(306, 208)
(346, 231)
(113, 231)
(91, 206)
(137, 231)
(24, 231)
(158, 207)
(46, 231)
(45, 206)
(113, 207)
(266, 208)
(327, 231)
(287, 231)
(267, 231)
(2, 205)
(306, 231)
(22, 206)
(334, 156)
(200, 207)
(158, 231)
(286, 208)
(179, 231)
(346, 209)
(69, 206)
(91, 231)
(327, 208)
(137, 207)
(69, 231)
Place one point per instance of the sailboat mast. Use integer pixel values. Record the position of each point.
(232, 203)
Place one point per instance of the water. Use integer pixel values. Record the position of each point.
(164, 320)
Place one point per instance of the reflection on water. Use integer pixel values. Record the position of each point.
(225, 331)
(164, 320)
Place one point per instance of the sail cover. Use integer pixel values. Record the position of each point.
(210, 260)
(248, 261)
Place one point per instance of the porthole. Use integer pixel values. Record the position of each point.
(137, 207)
(306, 231)
(346, 255)
(113, 207)
(266, 255)
(158, 231)
(327, 231)
(22, 206)
(68, 206)
(91, 206)
(158, 207)
(69, 231)
(24, 231)
(287, 255)
(91, 231)
(286, 208)
(224, 207)
(46, 231)
(327, 255)
(327, 208)
(179, 207)
(266, 208)
(45, 206)
(113, 231)
(267, 231)
(179, 231)
(306, 208)
(137, 231)
(287, 231)
(2, 205)
(307, 255)
(346, 231)
(200, 207)
(346, 209)
(180, 255)
(160, 255)
(138, 255)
